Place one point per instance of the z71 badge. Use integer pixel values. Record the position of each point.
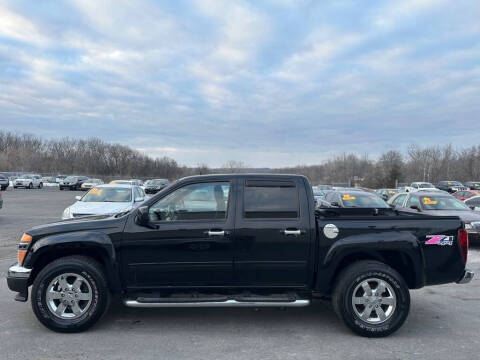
(439, 240)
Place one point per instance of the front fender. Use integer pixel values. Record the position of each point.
(94, 243)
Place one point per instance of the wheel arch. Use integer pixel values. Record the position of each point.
(94, 245)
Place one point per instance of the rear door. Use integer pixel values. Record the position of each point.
(272, 233)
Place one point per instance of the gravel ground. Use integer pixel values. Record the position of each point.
(443, 323)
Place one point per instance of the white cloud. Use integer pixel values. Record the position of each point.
(319, 51)
(16, 26)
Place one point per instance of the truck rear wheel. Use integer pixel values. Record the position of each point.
(371, 298)
(70, 294)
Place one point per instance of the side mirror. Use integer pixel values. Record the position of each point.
(334, 203)
(385, 197)
(142, 218)
(78, 197)
(472, 207)
(139, 199)
(415, 207)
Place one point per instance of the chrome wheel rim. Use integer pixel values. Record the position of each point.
(68, 296)
(374, 301)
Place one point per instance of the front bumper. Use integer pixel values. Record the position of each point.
(17, 280)
(466, 277)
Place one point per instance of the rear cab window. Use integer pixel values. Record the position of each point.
(266, 199)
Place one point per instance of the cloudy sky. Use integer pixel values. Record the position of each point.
(270, 83)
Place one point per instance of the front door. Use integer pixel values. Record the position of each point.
(189, 242)
(272, 234)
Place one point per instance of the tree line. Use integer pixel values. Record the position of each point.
(96, 158)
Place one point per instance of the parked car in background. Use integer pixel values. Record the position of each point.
(417, 186)
(324, 187)
(155, 185)
(4, 182)
(135, 182)
(28, 181)
(386, 194)
(107, 199)
(353, 198)
(60, 178)
(472, 185)
(473, 203)
(465, 194)
(88, 184)
(451, 186)
(72, 182)
(438, 204)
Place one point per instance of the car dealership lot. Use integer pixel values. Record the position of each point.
(443, 323)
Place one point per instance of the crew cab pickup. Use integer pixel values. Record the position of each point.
(239, 240)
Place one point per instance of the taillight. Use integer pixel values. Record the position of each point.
(463, 243)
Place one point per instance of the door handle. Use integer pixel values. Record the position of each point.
(216, 233)
(292, 232)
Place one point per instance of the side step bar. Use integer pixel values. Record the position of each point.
(226, 303)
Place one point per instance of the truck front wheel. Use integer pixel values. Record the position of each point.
(371, 298)
(70, 294)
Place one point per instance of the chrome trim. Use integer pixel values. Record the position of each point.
(466, 277)
(216, 233)
(227, 303)
(19, 269)
(292, 232)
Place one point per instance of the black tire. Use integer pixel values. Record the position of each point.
(356, 274)
(30, 186)
(60, 188)
(40, 185)
(92, 272)
(4, 188)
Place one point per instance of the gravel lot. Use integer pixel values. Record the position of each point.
(443, 323)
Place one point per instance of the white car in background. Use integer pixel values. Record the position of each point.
(107, 199)
(28, 181)
(90, 183)
(424, 186)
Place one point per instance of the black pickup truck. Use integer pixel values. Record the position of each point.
(239, 240)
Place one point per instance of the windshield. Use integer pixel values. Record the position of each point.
(363, 200)
(324, 187)
(71, 178)
(442, 203)
(108, 195)
(154, 182)
(425, 186)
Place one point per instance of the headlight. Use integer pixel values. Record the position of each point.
(66, 213)
(468, 227)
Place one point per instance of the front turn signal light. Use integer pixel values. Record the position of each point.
(26, 238)
(21, 256)
(22, 248)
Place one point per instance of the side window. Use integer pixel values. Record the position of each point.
(473, 202)
(270, 200)
(399, 200)
(201, 201)
(413, 201)
(136, 193)
(415, 186)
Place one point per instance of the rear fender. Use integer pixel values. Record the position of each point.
(399, 250)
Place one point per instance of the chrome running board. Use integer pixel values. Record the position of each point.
(226, 303)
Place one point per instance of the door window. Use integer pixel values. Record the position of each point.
(201, 201)
(399, 200)
(270, 200)
(414, 201)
